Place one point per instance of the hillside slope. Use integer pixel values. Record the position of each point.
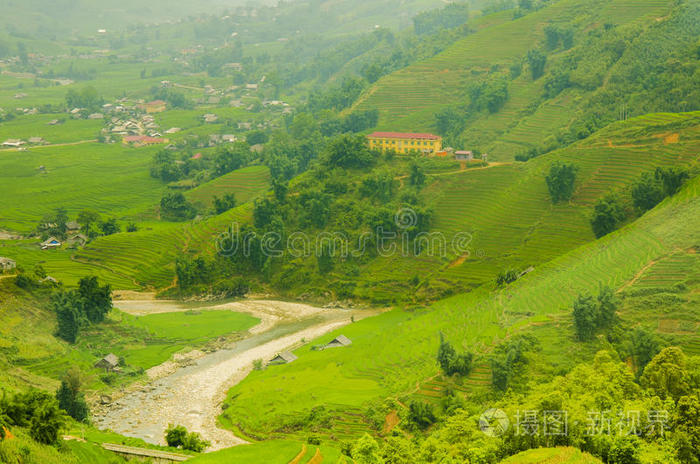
(617, 46)
(505, 211)
(392, 353)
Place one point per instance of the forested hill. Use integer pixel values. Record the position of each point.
(530, 80)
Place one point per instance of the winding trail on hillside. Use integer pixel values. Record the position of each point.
(191, 393)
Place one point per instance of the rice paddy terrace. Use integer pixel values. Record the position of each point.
(505, 210)
(409, 98)
(401, 364)
(507, 213)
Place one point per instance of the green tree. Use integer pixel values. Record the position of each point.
(551, 36)
(348, 151)
(194, 442)
(256, 137)
(221, 205)
(175, 207)
(686, 426)
(366, 451)
(47, 422)
(417, 176)
(446, 354)
(71, 399)
(585, 317)
(666, 375)
(607, 306)
(644, 347)
(231, 157)
(175, 436)
(560, 181)
(68, 309)
(87, 218)
(110, 227)
(96, 299)
(421, 414)
(647, 192)
(537, 61)
(608, 213)
(625, 450)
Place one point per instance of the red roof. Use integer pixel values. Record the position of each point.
(403, 135)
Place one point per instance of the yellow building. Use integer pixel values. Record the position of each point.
(406, 142)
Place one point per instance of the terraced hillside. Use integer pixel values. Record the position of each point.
(504, 209)
(376, 368)
(507, 213)
(409, 98)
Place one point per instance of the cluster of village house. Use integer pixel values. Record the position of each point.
(428, 144)
(75, 237)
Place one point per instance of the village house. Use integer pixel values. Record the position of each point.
(51, 242)
(78, 240)
(340, 340)
(210, 118)
(13, 143)
(464, 155)
(36, 140)
(72, 226)
(95, 116)
(173, 130)
(7, 264)
(406, 142)
(283, 358)
(109, 363)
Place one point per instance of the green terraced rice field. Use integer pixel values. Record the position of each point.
(379, 367)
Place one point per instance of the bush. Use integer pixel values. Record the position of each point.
(178, 437)
(452, 363)
(175, 435)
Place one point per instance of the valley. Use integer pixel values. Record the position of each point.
(350, 232)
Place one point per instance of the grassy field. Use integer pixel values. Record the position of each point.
(377, 368)
(193, 325)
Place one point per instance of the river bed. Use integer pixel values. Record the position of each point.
(192, 394)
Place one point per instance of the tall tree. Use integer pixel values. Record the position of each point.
(560, 181)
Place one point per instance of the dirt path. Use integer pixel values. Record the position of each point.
(637, 276)
(192, 395)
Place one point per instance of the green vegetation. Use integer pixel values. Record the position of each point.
(194, 325)
(556, 272)
(178, 437)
